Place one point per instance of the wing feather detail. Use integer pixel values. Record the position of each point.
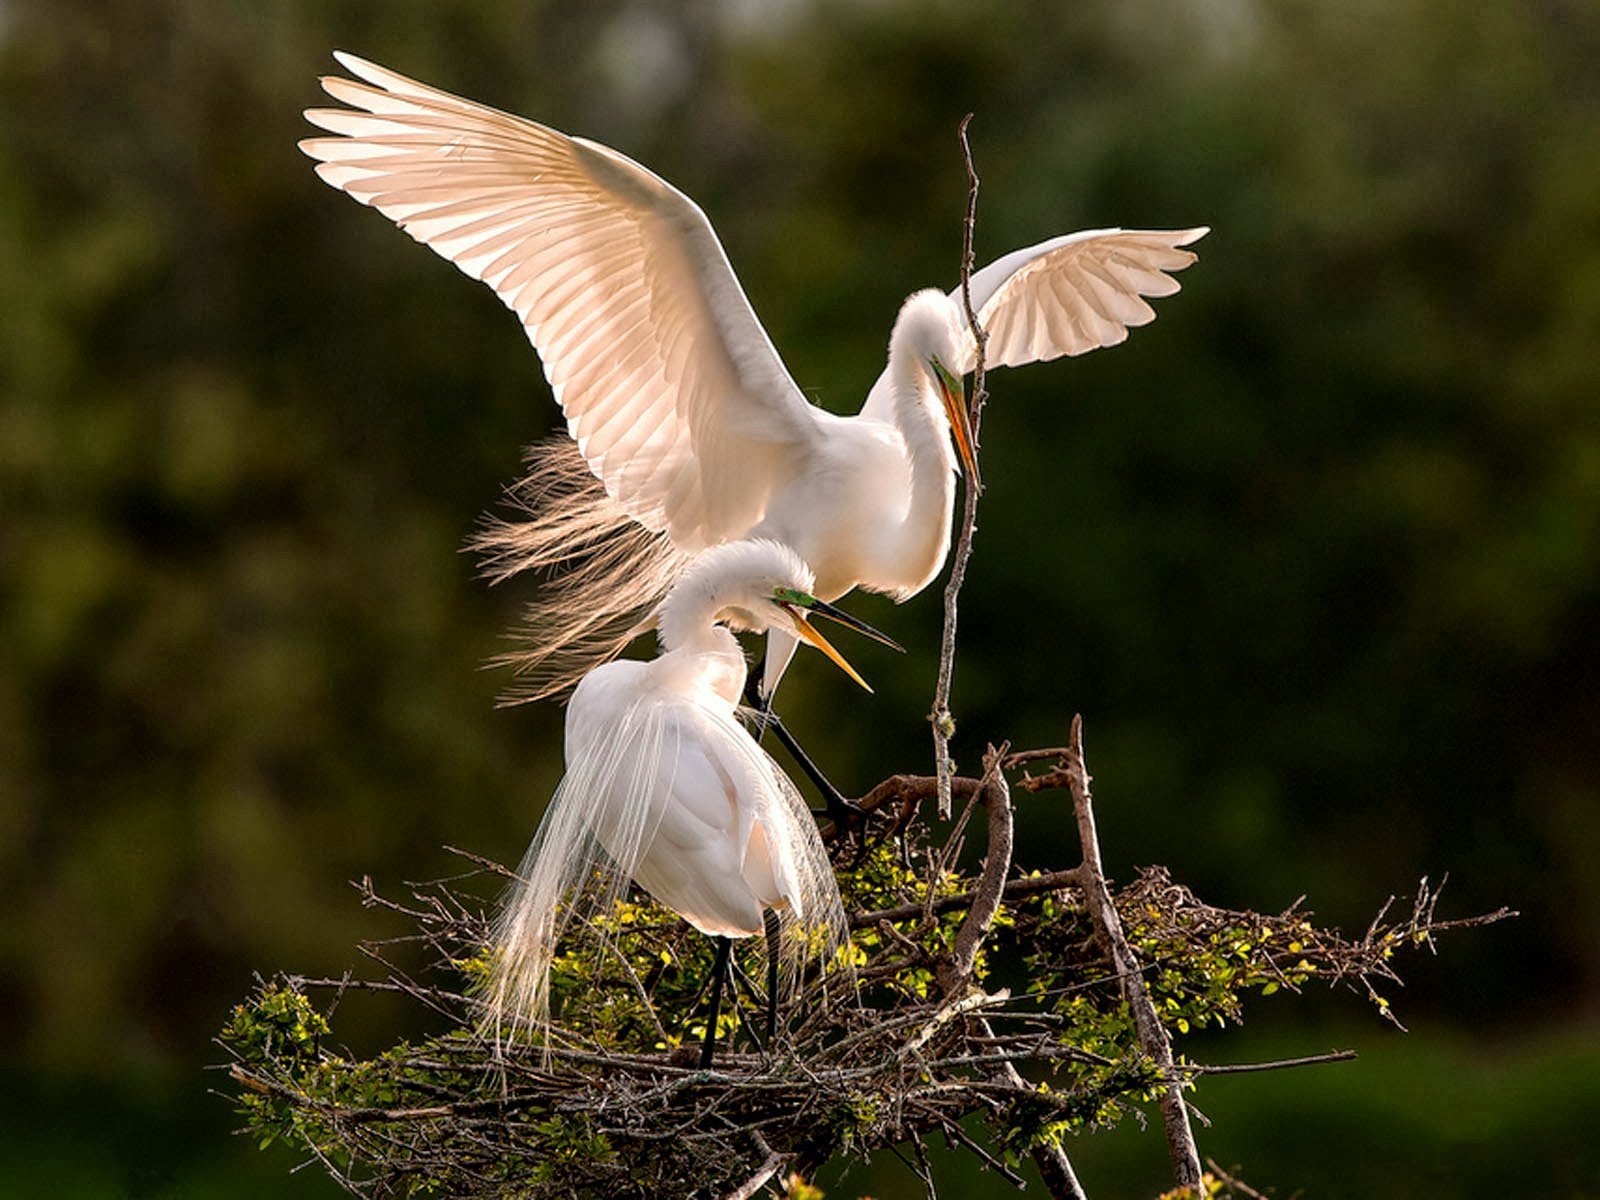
(666, 378)
(1073, 294)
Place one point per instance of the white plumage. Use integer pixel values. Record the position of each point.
(675, 396)
(665, 787)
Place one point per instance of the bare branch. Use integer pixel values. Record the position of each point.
(955, 971)
(768, 1168)
(1280, 1064)
(1234, 1185)
(943, 722)
(955, 1134)
(1108, 927)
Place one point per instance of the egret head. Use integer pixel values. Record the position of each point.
(754, 586)
(932, 329)
(799, 606)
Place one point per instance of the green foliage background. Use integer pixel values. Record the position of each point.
(1317, 554)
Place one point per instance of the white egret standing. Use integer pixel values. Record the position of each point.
(665, 787)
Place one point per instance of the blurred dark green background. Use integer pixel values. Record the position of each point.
(1317, 554)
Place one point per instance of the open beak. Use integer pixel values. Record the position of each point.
(822, 608)
(800, 605)
(954, 394)
(803, 630)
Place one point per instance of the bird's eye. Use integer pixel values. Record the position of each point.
(944, 374)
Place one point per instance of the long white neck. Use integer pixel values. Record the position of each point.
(906, 398)
(710, 660)
(695, 648)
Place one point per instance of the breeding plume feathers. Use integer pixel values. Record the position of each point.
(569, 875)
(666, 788)
(603, 574)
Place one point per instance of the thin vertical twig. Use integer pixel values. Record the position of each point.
(1152, 1035)
(944, 724)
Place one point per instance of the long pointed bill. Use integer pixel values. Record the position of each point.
(821, 608)
(954, 395)
(803, 630)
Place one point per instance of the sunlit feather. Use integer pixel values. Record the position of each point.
(675, 397)
(666, 788)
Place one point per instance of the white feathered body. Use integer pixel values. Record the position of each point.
(666, 788)
(697, 813)
(851, 517)
(674, 395)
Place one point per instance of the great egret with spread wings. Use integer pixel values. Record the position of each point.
(687, 429)
(666, 787)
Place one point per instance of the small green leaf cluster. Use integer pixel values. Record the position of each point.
(1053, 1112)
(280, 1031)
(884, 877)
(567, 1145)
(277, 1020)
(1201, 963)
(854, 1121)
(296, 1089)
(1202, 977)
(609, 964)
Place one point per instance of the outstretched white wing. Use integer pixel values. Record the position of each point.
(676, 396)
(1073, 294)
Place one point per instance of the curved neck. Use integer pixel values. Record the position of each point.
(688, 618)
(920, 417)
(711, 661)
(695, 648)
(913, 549)
(905, 396)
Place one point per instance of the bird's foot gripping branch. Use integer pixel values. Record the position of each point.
(913, 1038)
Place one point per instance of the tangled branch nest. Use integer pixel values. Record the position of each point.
(917, 1036)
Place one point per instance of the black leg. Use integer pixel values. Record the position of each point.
(774, 945)
(719, 973)
(843, 813)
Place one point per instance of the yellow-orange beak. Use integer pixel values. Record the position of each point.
(804, 630)
(954, 394)
(799, 605)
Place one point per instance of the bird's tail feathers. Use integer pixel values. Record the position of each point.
(606, 574)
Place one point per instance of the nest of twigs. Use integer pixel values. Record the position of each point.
(917, 1036)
